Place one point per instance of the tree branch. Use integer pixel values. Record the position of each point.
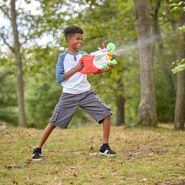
(6, 43)
(5, 12)
(25, 37)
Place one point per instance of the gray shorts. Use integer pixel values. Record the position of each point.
(68, 103)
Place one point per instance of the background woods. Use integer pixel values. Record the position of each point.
(142, 89)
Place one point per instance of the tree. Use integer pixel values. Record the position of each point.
(17, 52)
(179, 119)
(120, 104)
(160, 54)
(147, 107)
(16, 49)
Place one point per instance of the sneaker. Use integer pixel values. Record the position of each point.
(37, 154)
(106, 150)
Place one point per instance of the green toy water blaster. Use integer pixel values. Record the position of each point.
(99, 61)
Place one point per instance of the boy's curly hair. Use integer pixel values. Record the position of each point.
(71, 30)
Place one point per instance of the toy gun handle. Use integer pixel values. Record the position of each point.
(88, 65)
(98, 61)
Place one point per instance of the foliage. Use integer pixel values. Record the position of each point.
(177, 8)
(180, 66)
(8, 99)
(43, 32)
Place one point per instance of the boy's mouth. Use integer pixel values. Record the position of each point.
(78, 45)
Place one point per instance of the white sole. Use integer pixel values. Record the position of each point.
(107, 155)
(39, 159)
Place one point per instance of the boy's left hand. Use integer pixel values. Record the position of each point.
(110, 67)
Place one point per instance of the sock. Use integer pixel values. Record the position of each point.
(105, 145)
(38, 149)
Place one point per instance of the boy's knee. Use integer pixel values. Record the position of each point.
(106, 118)
(51, 125)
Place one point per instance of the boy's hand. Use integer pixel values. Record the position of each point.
(111, 66)
(79, 66)
(72, 71)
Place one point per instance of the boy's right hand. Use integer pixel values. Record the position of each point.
(79, 66)
(72, 71)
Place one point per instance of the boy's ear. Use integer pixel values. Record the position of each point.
(67, 38)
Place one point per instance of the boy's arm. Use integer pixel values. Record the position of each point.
(72, 71)
(60, 68)
(60, 73)
(110, 68)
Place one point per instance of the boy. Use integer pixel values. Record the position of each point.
(76, 92)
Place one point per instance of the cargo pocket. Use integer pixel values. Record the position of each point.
(102, 102)
(56, 113)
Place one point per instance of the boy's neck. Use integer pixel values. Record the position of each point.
(72, 50)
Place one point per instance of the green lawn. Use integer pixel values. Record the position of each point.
(144, 156)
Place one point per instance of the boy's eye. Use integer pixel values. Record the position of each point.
(79, 39)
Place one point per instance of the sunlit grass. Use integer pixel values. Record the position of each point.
(144, 156)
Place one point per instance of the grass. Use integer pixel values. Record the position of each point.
(144, 157)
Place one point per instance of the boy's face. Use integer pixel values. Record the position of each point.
(75, 41)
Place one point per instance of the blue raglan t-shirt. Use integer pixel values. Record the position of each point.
(77, 83)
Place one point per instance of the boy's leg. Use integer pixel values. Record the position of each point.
(37, 153)
(105, 148)
(106, 129)
(102, 114)
(61, 117)
(47, 131)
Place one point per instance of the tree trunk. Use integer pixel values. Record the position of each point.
(147, 107)
(20, 83)
(158, 39)
(179, 119)
(120, 104)
(120, 114)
